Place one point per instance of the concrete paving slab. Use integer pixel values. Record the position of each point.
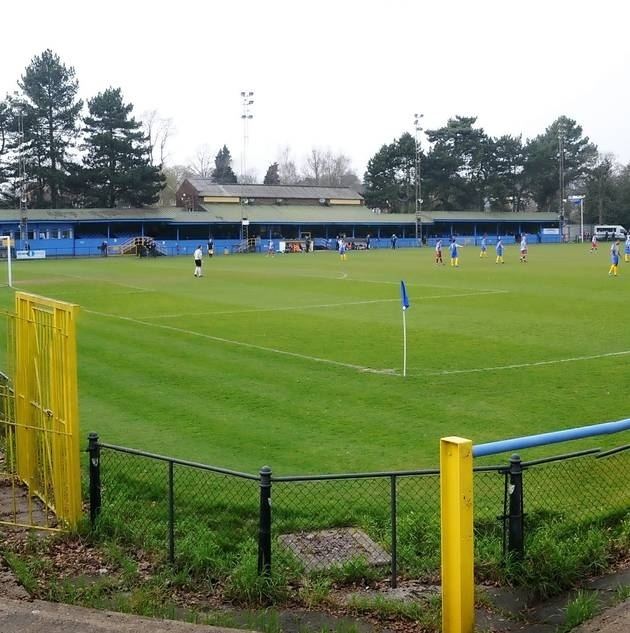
(19, 616)
(613, 620)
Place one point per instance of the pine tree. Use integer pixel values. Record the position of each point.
(118, 169)
(51, 113)
(386, 179)
(542, 165)
(272, 177)
(223, 173)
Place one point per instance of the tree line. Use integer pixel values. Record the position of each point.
(57, 151)
(52, 154)
(463, 168)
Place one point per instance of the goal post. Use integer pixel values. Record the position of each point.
(6, 241)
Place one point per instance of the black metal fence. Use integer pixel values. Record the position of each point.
(193, 511)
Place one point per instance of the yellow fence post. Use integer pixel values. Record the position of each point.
(456, 495)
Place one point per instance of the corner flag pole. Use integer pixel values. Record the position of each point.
(404, 300)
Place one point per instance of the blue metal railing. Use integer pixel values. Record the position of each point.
(528, 441)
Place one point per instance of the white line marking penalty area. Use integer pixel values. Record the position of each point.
(540, 363)
(314, 306)
(262, 348)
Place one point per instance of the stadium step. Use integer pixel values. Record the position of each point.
(142, 245)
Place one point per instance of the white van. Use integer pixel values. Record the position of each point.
(609, 232)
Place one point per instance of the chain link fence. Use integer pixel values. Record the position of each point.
(197, 516)
(205, 518)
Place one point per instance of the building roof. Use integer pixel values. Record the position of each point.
(280, 214)
(205, 187)
(267, 214)
(490, 216)
(92, 215)
(304, 214)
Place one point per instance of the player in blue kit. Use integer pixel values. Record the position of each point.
(614, 258)
(626, 249)
(342, 249)
(453, 246)
(499, 249)
(484, 246)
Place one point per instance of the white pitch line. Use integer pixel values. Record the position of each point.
(316, 306)
(296, 273)
(395, 283)
(257, 310)
(107, 281)
(261, 348)
(558, 361)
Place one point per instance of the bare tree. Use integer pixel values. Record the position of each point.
(329, 170)
(341, 173)
(175, 176)
(202, 165)
(249, 178)
(158, 130)
(314, 167)
(286, 167)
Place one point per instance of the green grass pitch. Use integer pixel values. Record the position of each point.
(296, 361)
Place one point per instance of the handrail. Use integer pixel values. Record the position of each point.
(542, 439)
(181, 462)
(358, 475)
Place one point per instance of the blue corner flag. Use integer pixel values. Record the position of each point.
(404, 299)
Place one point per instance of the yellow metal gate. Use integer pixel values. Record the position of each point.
(40, 425)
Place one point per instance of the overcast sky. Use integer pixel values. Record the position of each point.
(345, 75)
